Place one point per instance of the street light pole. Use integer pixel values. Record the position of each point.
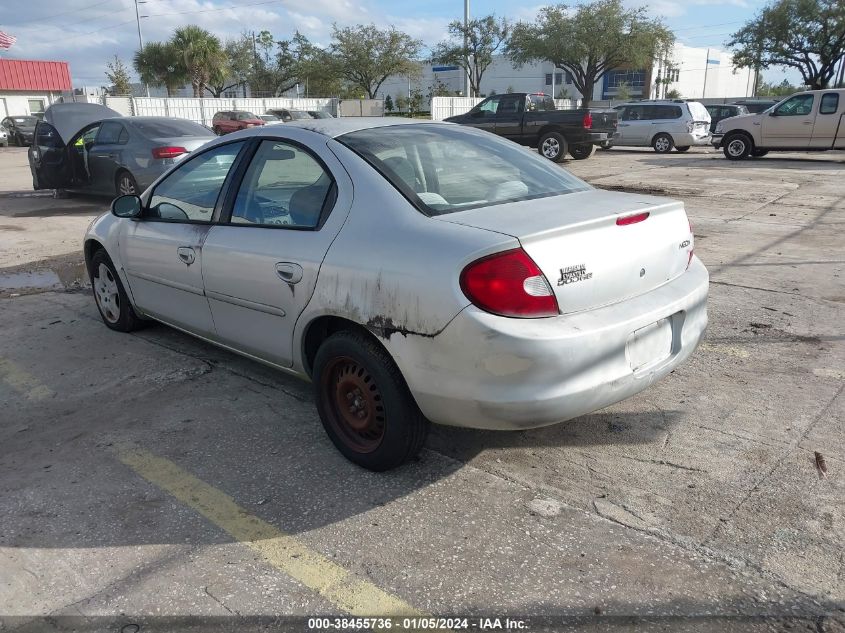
(140, 39)
(466, 48)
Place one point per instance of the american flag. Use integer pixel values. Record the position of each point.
(6, 40)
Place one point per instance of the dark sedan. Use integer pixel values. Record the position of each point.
(20, 129)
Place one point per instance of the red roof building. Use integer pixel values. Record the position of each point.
(25, 75)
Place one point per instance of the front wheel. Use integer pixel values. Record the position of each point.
(737, 147)
(111, 299)
(685, 148)
(582, 151)
(663, 143)
(364, 404)
(553, 146)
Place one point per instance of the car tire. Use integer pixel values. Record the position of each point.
(109, 295)
(662, 143)
(364, 403)
(685, 148)
(125, 184)
(218, 131)
(582, 151)
(759, 153)
(737, 147)
(606, 146)
(553, 146)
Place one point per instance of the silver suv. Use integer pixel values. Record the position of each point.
(662, 125)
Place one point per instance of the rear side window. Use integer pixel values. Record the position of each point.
(169, 128)
(284, 186)
(830, 103)
(109, 133)
(190, 192)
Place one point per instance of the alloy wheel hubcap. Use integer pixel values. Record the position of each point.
(736, 147)
(106, 294)
(355, 405)
(662, 144)
(551, 148)
(126, 187)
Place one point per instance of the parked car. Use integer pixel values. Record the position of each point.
(413, 271)
(20, 129)
(91, 148)
(663, 125)
(533, 120)
(286, 115)
(756, 105)
(722, 111)
(233, 120)
(319, 114)
(270, 119)
(810, 121)
(4, 137)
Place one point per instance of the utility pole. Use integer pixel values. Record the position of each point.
(141, 39)
(466, 48)
(706, 68)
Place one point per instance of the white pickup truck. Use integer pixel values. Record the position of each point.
(807, 121)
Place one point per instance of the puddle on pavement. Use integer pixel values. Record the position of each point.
(65, 277)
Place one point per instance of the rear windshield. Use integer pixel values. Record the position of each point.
(698, 111)
(26, 121)
(443, 168)
(298, 115)
(169, 128)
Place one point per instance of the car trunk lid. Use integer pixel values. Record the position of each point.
(594, 247)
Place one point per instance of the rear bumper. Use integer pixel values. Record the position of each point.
(684, 140)
(579, 138)
(491, 372)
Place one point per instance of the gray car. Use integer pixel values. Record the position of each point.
(414, 272)
(91, 148)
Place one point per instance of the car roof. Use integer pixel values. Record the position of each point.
(340, 126)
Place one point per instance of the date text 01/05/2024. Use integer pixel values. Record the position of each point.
(417, 623)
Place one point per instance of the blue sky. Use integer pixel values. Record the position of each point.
(87, 33)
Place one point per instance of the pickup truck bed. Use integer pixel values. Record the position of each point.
(533, 120)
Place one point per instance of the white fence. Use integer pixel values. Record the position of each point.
(442, 107)
(202, 110)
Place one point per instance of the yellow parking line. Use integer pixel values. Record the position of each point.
(23, 382)
(284, 552)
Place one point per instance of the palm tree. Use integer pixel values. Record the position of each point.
(160, 64)
(202, 53)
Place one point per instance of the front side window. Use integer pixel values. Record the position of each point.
(799, 105)
(284, 186)
(829, 104)
(190, 192)
(633, 113)
(445, 169)
(109, 133)
(490, 106)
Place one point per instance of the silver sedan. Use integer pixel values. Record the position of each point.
(414, 272)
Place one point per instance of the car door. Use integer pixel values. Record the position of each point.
(509, 115)
(260, 266)
(829, 120)
(790, 124)
(162, 252)
(483, 116)
(49, 159)
(632, 128)
(104, 156)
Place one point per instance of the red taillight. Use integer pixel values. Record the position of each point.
(509, 284)
(631, 219)
(168, 152)
(587, 121)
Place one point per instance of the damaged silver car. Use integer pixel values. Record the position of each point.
(414, 272)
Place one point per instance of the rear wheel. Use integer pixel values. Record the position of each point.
(606, 145)
(662, 143)
(364, 404)
(111, 299)
(582, 151)
(125, 184)
(218, 131)
(683, 149)
(737, 147)
(553, 146)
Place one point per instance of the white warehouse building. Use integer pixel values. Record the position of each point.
(695, 73)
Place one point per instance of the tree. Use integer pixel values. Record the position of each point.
(590, 40)
(205, 61)
(783, 89)
(807, 35)
(472, 47)
(623, 91)
(240, 60)
(118, 76)
(388, 104)
(159, 64)
(401, 102)
(366, 56)
(673, 94)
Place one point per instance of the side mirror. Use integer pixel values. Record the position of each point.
(127, 206)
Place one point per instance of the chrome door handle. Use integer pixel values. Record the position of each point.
(289, 272)
(807, 122)
(186, 254)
